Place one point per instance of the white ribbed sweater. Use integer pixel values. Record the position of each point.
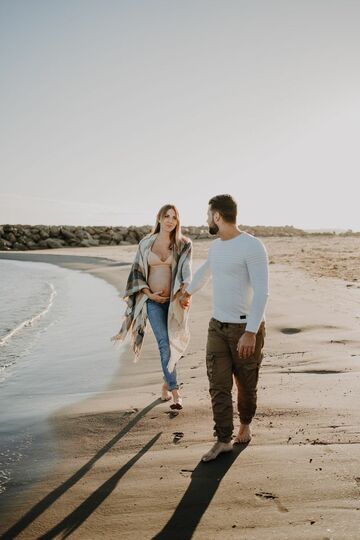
(239, 270)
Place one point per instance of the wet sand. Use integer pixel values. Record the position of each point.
(129, 468)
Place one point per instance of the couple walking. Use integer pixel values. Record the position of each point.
(160, 287)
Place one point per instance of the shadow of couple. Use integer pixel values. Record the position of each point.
(205, 480)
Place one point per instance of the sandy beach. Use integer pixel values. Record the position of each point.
(128, 468)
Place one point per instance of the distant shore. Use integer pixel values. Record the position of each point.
(35, 237)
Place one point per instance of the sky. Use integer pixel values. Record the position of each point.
(111, 108)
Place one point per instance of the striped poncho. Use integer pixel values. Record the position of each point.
(135, 319)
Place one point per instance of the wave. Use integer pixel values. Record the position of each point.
(34, 319)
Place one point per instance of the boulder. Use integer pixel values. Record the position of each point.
(19, 247)
(82, 234)
(54, 231)
(89, 242)
(32, 245)
(54, 243)
(117, 237)
(105, 238)
(68, 235)
(4, 244)
(10, 237)
(44, 233)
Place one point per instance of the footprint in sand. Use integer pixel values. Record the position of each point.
(178, 435)
(290, 331)
(320, 371)
(270, 496)
(172, 414)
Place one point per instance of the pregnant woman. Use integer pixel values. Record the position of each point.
(160, 272)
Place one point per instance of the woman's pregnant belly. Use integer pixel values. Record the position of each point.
(160, 279)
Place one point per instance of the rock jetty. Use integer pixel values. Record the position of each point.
(28, 237)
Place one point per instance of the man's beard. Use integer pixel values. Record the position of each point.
(213, 228)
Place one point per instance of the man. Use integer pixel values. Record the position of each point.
(238, 264)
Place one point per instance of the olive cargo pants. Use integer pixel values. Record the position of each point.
(222, 363)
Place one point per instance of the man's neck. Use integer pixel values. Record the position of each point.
(229, 232)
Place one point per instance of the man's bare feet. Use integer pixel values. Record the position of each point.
(217, 449)
(244, 435)
(165, 394)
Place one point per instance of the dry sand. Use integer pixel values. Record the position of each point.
(128, 469)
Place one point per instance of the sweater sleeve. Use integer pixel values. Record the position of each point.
(257, 265)
(200, 278)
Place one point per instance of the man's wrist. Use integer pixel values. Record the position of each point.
(251, 333)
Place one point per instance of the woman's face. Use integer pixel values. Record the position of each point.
(169, 221)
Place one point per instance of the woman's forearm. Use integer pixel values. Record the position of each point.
(147, 292)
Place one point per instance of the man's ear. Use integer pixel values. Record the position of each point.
(216, 217)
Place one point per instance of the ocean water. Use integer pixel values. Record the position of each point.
(55, 349)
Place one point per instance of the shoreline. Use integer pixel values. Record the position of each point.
(35, 426)
(123, 468)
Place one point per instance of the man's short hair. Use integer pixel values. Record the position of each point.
(226, 206)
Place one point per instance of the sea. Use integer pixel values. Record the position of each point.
(55, 350)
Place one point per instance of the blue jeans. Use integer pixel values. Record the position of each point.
(158, 316)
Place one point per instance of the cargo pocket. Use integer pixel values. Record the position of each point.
(210, 357)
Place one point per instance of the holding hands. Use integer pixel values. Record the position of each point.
(185, 298)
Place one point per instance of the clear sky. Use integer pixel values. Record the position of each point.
(111, 108)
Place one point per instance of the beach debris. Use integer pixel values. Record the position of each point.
(317, 441)
(178, 435)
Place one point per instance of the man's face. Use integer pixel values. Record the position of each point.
(213, 228)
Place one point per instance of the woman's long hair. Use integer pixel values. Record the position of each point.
(176, 237)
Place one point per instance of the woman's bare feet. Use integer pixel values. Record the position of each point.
(165, 394)
(217, 449)
(244, 435)
(177, 400)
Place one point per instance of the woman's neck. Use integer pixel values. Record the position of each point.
(164, 236)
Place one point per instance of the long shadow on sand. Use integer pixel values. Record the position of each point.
(69, 524)
(205, 480)
(52, 497)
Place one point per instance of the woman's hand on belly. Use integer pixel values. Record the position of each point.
(157, 297)
(160, 281)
